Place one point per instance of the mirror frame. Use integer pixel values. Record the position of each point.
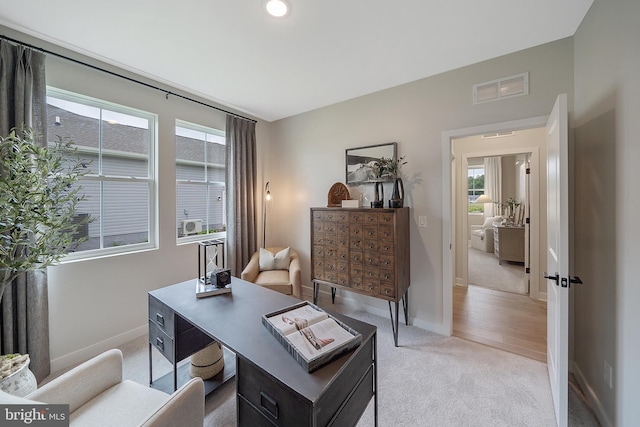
(358, 160)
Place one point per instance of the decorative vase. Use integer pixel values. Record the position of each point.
(397, 197)
(379, 196)
(21, 382)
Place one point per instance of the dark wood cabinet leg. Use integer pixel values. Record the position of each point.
(333, 295)
(405, 307)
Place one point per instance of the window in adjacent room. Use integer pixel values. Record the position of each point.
(475, 187)
(118, 144)
(200, 182)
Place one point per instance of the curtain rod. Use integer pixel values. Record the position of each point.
(166, 92)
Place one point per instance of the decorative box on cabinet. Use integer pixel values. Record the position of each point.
(362, 250)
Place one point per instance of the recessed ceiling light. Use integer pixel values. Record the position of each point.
(277, 8)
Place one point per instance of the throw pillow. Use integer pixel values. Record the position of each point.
(271, 261)
(488, 223)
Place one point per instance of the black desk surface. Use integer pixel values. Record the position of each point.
(235, 320)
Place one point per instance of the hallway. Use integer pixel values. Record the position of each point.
(508, 321)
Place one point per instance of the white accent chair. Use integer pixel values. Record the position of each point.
(97, 396)
(482, 235)
(284, 280)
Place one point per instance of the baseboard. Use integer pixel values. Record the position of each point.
(384, 312)
(87, 353)
(591, 396)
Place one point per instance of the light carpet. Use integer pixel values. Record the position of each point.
(430, 380)
(485, 271)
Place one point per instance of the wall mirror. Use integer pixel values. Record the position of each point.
(360, 161)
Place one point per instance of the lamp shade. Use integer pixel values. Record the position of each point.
(483, 199)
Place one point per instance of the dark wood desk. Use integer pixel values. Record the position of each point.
(272, 389)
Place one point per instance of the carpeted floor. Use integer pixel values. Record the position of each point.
(485, 271)
(430, 380)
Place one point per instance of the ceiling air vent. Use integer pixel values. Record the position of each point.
(506, 87)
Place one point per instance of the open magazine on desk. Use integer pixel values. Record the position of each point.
(311, 335)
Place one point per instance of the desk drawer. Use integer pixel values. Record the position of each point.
(161, 315)
(353, 408)
(275, 402)
(160, 340)
(249, 416)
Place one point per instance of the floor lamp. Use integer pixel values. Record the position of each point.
(267, 197)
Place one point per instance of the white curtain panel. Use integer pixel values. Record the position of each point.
(492, 185)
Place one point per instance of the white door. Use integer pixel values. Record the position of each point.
(558, 258)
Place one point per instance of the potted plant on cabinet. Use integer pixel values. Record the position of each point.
(393, 170)
(38, 202)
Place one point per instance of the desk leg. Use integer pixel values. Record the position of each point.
(375, 379)
(150, 366)
(394, 321)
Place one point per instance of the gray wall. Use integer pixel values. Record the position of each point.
(607, 202)
(307, 155)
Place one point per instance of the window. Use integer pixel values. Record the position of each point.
(200, 182)
(475, 187)
(118, 144)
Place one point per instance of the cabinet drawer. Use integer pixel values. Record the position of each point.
(385, 232)
(387, 289)
(356, 243)
(371, 232)
(356, 258)
(371, 259)
(276, 403)
(387, 275)
(371, 287)
(342, 216)
(342, 280)
(329, 216)
(317, 215)
(318, 251)
(248, 416)
(160, 340)
(371, 218)
(161, 315)
(318, 226)
(371, 245)
(385, 218)
(342, 228)
(356, 217)
(343, 267)
(329, 228)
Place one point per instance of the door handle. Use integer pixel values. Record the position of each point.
(555, 278)
(575, 279)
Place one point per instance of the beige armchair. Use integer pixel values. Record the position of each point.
(284, 281)
(97, 396)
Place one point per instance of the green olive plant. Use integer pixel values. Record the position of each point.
(38, 201)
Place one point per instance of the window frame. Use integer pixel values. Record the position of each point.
(151, 179)
(206, 130)
(474, 168)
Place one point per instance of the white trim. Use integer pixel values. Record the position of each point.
(591, 395)
(86, 353)
(448, 241)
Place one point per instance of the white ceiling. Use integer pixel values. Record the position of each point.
(322, 52)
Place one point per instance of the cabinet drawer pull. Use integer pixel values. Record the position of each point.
(269, 404)
(160, 319)
(160, 343)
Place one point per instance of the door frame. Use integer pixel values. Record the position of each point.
(448, 231)
(533, 254)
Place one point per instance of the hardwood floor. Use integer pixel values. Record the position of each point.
(511, 322)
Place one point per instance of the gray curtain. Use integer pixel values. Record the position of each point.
(241, 192)
(25, 310)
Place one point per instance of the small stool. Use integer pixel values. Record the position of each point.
(208, 362)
